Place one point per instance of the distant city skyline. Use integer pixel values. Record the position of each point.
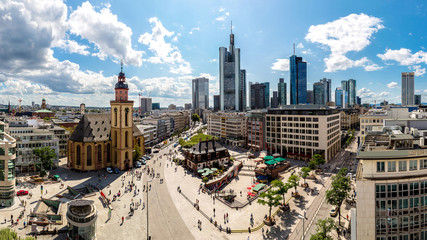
(73, 56)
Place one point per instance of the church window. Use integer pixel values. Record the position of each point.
(126, 138)
(99, 153)
(126, 116)
(108, 153)
(78, 157)
(115, 139)
(89, 155)
(115, 116)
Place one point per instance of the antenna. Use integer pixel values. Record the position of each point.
(294, 48)
(231, 27)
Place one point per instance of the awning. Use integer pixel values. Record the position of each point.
(205, 174)
(214, 169)
(200, 170)
(258, 187)
(268, 158)
(279, 159)
(259, 160)
(271, 162)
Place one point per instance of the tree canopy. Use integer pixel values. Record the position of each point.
(305, 172)
(324, 227)
(281, 188)
(195, 117)
(269, 198)
(136, 152)
(10, 234)
(46, 156)
(340, 188)
(293, 181)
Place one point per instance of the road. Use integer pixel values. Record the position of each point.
(164, 220)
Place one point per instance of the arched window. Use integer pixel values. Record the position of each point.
(115, 138)
(126, 139)
(108, 153)
(115, 116)
(99, 153)
(126, 156)
(139, 142)
(89, 155)
(115, 157)
(126, 116)
(78, 155)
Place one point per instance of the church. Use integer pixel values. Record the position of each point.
(106, 140)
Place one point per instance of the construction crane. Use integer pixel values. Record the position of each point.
(20, 108)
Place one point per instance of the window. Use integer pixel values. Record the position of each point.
(403, 203)
(423, 164)
(78, 155)
(126, 116)
(126, 139)
(413, 165)
(402, 166)
(2, 170)
(99, 153)
(380, 166)
(115, 116)
(391, 166)
(89, 155)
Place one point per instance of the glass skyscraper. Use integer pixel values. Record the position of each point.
(243, 89)
(229, 77)
(322, 91)
(281, 89)
(267, 94)
(257, 95)
(341, 98)
(200, 93)
(408, 89)
(350, 87)
(298, 80)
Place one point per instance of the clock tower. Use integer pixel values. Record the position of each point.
(121, 125)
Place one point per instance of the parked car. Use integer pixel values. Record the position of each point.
(22, 192)
(138, 165)
(334, 211)
(147, 157)
(56, 178)
(116, 170)
(143, 162)
(156, 151)
(143, 158)
(109, 170)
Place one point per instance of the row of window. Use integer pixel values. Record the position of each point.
(402, 225)
(295, 119)
(299, 143)
(412, 236)
(372, 120)
(298, 125)
(10, 151)
(396, 190)
(403, 165)
(10, 170)
(291, 130)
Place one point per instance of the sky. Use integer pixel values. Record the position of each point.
(69, 52)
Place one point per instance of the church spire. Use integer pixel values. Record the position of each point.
(231, 36)
(121, 64)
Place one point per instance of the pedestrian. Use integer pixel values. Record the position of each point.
(249, 229)
(347, 217)
(123, 219)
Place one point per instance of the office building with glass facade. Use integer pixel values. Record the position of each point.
(243, 94)
(281, 89)
(298, 80)
(257, 95)
(408, 98)
(200, 93)
(319, 93)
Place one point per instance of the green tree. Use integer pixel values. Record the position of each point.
(281, 188)
(312, 165)
(195, 118)
(293, 181)
(46, 156)
(136, 152)
(10, 234)
(324, 226)
(271, 199)
(340, 188)
(318, 159)
(305, 172)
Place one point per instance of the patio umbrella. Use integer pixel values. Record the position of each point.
(214, 169)
(253, 185)
(200, 170)
(256, 183)
(249, 188)
(249, 193)
(262, 166)
(205, 174)
(206, 169)
(258, 160)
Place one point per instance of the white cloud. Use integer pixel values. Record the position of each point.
(194, 29)
(366, 93)
(300, 45)
(392, 85)
(164, 52)
(418, 70)
(350, 33)
(221, 10)
(281, 65)
(213, 60)
(111, 37)
(223, 16)
(384, 93)
(404, 56)
(74, 47)
(307, 52)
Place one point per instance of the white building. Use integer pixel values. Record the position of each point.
(7, 168)
(229, 127)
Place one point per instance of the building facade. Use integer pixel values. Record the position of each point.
(310, 97)
(274, 100)
(372, 118)
(146, 105)
(243, 93)
(206, 154)
(7, 168)
(350, 87)
(257, 95)
(281, 89)
(298, 80)
(300, 132)
(256, 130)
(200, 93)
(230, 128)
(417, 99)
(155, 106)
(216, 103)
(81, 217)
(229, 77)
(319, 93)
(408, 88)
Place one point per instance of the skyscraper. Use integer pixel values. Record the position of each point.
(417, 100)
(341, 98)
(229, 77)
(358, 100)
(267, 94)
(243, 89)
(200, 93)
(319, 93)
(407, 88)
(281, 89)
(310, 97)
(216, 103)
(257, 95)
(327, 89)
(274, 100)
(350, 87)
(146, 105)
(298, 80)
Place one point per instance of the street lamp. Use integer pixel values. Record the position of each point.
(148, 230)
(303, 219)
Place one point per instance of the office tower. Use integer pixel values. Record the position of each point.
(310, 97)
(275, 100)
(341, 98)
(327, 90)
(257, 95)
(146, 105)
(281, 89)
(243, 89)
(216, 103)
(417, 100)
(298, 80)
(229, 77)
(188, 106)
(155, 106)
(350, 87)
(407, 88)
(358, 100)
(200, 93)
(267, 94)
(33, 104)
(319, 93)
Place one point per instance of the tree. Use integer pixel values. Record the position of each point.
(318, 159)
(195, 118)
(46, 156)
(136, 152)
(312, 165)
(339, 190)
(293, 181)
(281, 188)
(10, 234)
(271, 199)
(324, 226)
(305, 172)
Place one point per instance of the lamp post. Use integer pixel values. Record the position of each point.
(148, 229)
(303, 219)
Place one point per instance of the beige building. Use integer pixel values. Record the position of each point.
(372, 118)
(229, 127)
(349, 119)
(391, 186)
(301, 131)
(181, 120)
(7, 168)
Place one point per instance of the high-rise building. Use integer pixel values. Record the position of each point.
(358, 100)
(200, 93)
(298, 80)
(341, 98)
(146, 105)
(319, 93)
(229, 77)
(350, 87)
(257, 95)
(33, 104)
(217, 103)
(407, 88)
(243, 89)
(274, 100)
(7, 171)
(327, 89)
(310, 97)
(155, 106)
(267, 94)
(417, 100)
(188, 106)
(281, 89)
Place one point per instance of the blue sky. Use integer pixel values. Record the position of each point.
(69, 52)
